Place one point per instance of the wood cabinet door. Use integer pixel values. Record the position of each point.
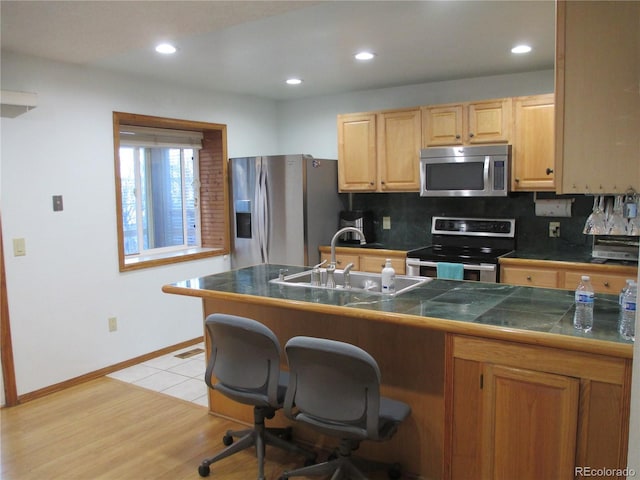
(529, 424)
(489, 122)
(442, 125)
(357, 159)
(533, 144)
(597, 101)
(399, 138)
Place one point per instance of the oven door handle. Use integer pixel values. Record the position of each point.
(487, 267)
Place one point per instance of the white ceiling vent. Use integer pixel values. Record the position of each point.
(17, 103)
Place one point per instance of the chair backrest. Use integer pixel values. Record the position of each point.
(245, 359)
(334, 387)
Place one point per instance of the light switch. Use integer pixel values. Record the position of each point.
(386, 223)
(19, 247)
(57, 203)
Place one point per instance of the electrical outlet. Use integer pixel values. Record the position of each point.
(113, 324)
(554, 229)
(386, 223)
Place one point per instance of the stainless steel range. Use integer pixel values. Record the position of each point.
(477, 243)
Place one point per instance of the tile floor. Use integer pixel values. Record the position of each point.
(172, 375)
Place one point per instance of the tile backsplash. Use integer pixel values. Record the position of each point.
(411, 215)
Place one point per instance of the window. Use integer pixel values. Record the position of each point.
(171, 191)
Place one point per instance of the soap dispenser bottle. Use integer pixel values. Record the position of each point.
(388, 278)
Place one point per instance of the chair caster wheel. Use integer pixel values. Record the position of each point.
(395, 472)
(227, 440)
(204, 470)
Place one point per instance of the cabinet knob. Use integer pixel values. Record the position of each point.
(517, 180)
(606, 284)
(529, 278)
(370, 183)
(471, 135)
(549, 171)
(382, 182)
(457, 137)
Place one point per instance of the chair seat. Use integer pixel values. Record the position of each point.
(392, 413)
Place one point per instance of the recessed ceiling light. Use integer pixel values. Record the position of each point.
(166, 48)
(521, 49)
(294, 81)
(364, 55)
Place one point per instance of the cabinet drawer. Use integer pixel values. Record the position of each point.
(375, 264)
(342, 260)
(602, 283)
(531, 277)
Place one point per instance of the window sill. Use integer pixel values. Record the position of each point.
(136, 262)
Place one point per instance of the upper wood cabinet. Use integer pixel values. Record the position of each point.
(533, 154)
(467, 123)
(379, 151)
(357, 152)
(597, 98)
(399, 138)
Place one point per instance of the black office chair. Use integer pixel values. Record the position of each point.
(334, 388)
(245, 359)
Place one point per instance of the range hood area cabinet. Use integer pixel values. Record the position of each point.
(467, 123)
(379, 151)
(597, 97)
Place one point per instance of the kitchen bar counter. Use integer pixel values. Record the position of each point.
(430, 343)
(505, 312)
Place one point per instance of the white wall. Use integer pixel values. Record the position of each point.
(62, 292)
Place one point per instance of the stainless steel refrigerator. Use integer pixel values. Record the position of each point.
(284, 208)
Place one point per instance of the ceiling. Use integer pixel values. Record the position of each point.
(251, 47)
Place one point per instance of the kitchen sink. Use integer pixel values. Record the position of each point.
(360, 282)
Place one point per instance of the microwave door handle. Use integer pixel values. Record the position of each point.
(487, 174)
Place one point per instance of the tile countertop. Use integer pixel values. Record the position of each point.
(527, 314)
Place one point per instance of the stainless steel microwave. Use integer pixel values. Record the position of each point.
(476, 171)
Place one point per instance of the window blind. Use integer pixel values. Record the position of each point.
(136, 136)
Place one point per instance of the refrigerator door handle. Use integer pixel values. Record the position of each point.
(262, 211)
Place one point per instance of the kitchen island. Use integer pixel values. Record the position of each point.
(439, 346)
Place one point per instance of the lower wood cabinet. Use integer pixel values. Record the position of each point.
(535, 273)
(528, 412)
(530, 276)
(366, 262)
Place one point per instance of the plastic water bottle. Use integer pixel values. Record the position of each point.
(583, 317)
(623, 291)
(627, 324)
(388, 278)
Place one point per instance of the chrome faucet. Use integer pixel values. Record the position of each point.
(347, 275)
(335, 239)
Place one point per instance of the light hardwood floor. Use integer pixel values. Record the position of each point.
(107, 429)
